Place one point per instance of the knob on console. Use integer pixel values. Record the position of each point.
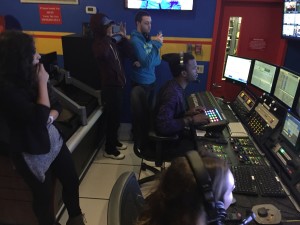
(266, 214)
(262, 212)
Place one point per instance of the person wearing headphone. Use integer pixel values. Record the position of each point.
(194, 190)
(171, 113)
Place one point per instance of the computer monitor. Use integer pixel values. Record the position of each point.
(237, 69)
(263, 75)
(291, 130)
(160, 5)
(286, 87)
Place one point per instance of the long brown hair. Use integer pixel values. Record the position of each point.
(177, 199)
(16, 59)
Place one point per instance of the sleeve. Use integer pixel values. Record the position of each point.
(18, 105)
(28, 117)
(146, 59)
(54, 103)
(126, 49)
(166, 123)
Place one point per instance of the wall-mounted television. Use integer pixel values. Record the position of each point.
(263, 75)
(286, 87)
(237, 69)
(160, 4)
(291, 19)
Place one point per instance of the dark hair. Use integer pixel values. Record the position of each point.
(99, 23)
(16, 59)
(177, 199)
(139, 16)
(178, 62)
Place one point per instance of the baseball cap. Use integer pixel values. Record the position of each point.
(106, 21)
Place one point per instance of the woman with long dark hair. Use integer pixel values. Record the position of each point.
(34, 144)
(178, 198)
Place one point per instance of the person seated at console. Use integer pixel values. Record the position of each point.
(171, 114)
(194, 190)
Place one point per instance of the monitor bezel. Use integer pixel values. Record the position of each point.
(234, 80)
(154, 9)
(274, 79)
(295, 148)
(283, 24)
(297, 91)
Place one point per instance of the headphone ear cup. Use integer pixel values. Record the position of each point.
(216, 213)
(181, 61)
(221, 211)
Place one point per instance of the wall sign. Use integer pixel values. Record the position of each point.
(50, 14)
(51, 1)
(258, 44)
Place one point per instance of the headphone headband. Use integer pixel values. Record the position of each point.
(203, 179)
(215, 210)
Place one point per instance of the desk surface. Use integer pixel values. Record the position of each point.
(244, 203)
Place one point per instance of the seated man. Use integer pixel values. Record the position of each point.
(171, 114)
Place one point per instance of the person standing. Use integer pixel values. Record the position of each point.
(146, 51)
(34, 144)
(108, 49)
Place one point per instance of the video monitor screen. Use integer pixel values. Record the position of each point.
(291, 129)
(237, 69)
(263, 75)
(160, 4)
(286, 87)
(291, 19)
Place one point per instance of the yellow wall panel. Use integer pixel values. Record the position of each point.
(51, 41)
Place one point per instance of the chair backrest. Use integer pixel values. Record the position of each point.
(125, 201)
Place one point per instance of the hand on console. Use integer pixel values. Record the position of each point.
(194, 111)
(200, 119)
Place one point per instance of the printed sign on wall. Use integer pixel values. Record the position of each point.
(50, 14)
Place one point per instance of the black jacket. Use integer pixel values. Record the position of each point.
(109, 56)
(26, 121)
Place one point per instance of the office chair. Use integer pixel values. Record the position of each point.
(147, 144)
(125, 201)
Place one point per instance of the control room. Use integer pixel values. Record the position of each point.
(166, 112)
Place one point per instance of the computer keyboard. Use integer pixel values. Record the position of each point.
(244, 180)
(257, 180)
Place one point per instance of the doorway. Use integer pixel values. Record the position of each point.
(252, 22)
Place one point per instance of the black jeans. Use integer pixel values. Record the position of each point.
(150, 91)
(112, 100)
(62, 168)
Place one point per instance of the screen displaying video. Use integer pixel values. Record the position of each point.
(160, 4)
(237, 68)
(263, 75)
(286, 87)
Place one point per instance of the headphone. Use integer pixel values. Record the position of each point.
(214, 209)
(181, 60)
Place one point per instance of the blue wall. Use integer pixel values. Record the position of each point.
(197, 23)
(192, 24)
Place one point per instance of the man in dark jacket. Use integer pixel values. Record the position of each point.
(108, 48)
